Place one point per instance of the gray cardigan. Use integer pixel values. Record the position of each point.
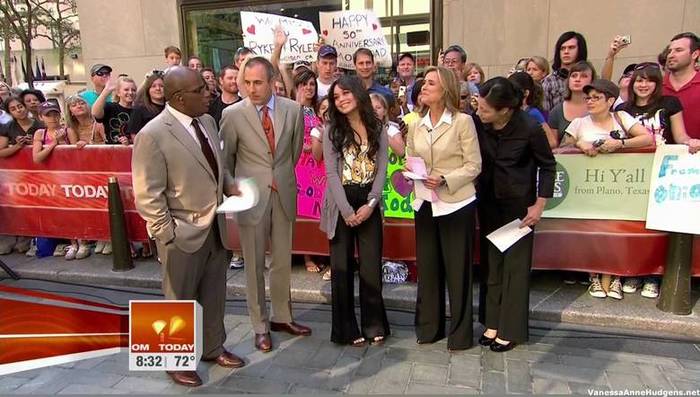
(334, 200)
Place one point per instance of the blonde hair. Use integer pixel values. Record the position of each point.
(72, 120)
(541, 63)
(472, 65)
(384, 103)
(450, 88)
(120, 81)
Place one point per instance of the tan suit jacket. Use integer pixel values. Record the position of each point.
(454, 154)
(174, 187)
(245, 140)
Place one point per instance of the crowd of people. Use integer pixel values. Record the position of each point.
(487, 146)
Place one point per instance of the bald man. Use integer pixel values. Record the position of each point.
(177, 172)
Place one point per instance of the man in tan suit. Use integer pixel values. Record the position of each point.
(264, 135)
(178, 173)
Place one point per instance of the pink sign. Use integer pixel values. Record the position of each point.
(311, 184)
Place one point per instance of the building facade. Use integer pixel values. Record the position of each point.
(130, 35)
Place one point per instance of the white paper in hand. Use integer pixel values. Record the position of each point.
(508, 234)
(246, 200)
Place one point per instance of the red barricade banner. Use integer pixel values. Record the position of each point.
(66, 196)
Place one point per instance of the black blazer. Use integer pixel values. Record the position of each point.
(511, 159)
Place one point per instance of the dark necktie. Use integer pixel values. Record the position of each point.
(206, 148)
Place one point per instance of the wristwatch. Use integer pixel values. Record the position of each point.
(623, 141)
(443, 181)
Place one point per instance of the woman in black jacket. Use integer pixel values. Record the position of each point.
(517, 177)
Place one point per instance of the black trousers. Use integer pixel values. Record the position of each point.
(368, 236)
(444, 254)
(504, 293)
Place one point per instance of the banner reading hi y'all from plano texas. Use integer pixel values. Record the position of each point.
(674, 199)
(349, 31)
(608, 186)
(259, 36)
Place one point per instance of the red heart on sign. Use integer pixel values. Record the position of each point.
(305, 31)
(325, 32)
(374, 26)
(251, 29)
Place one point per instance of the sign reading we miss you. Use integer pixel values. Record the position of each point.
(348, 31)
(259, 36)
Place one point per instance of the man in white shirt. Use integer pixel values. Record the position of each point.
(327, 64)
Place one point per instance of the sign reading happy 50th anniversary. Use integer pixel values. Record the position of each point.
(349, 31)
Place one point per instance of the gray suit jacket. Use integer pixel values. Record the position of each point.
(246, 147)
(174, 187)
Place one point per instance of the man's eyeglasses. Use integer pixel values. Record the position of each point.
(464, 96)
(199, 90)
(102, 73)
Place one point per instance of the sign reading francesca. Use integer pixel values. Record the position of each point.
(674, 202)
(608, 186)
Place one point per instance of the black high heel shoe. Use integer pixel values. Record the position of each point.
(486, 341)
(501, 348)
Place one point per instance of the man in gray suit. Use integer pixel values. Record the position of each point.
(264, 135)
(178, 173)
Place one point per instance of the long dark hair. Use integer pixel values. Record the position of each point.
(499, 92)
(582, 53)
(526, 83)
(301, 78)
(342, 136)
(651, 72)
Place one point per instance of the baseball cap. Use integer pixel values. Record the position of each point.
(605, 86)
(302, 64)
(327, 51)
(99, 66)
(407, 55)
(48, 106)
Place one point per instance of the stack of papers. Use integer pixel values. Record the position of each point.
(246, 200)
(508, 234)
(419, 173)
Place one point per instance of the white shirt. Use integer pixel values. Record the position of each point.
(186, 122)
(271, 111)
(583, 129)
(440, 207)
(321, 88)
(392, 129)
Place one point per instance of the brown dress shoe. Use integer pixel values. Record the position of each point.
(185, 378)
(228, 360)
(263, 342)
(291, 328)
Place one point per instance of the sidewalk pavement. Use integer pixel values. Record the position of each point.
(567, 306)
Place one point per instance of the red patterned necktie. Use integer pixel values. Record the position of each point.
(270, 135)
(269, 129)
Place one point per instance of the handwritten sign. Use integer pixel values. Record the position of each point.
(674, 196)
(311, 174)
(348, 31)
(259, 36)
(397, 190)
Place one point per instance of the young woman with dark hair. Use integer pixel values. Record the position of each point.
(32, 99)
(15, 135)
(513, 148)
(150, 101)
(663, 116)
(355, 155)
(532, 103)
(574, 105)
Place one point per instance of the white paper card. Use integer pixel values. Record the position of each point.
(248, 198)
(414, 176)
(508, 234)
